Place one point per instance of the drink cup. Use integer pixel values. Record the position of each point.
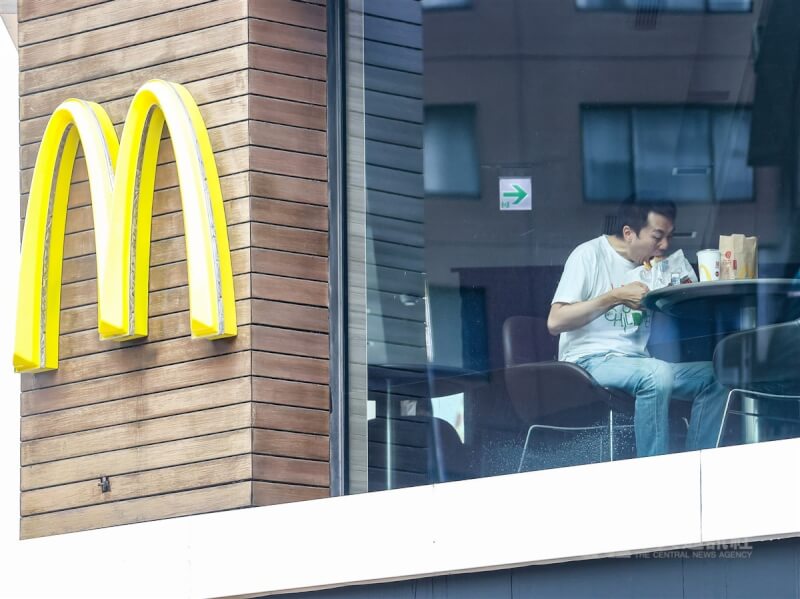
(708, 265)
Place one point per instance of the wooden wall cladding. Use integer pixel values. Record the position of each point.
(181, 426)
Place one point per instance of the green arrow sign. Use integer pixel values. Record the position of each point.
(519, 193)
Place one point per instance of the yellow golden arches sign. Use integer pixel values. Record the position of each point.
(121, 181)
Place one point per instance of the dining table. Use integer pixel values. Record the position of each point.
(740, 304)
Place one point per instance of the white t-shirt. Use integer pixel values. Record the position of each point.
(592, 269)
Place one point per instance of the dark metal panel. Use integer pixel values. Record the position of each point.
(770, 570)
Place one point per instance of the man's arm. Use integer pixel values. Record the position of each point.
(568, 317)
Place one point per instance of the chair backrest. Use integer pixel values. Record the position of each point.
(526, 339)
(774, 359)
(539, 387)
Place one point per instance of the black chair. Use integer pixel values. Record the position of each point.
(762, 364)
(541, 390)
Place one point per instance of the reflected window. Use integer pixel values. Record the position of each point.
(667, 5)
(436, 4)
(450, 154)
(682, 154)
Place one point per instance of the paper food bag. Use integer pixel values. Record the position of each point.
(738, 257)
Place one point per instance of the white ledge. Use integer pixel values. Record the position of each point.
(737, 493)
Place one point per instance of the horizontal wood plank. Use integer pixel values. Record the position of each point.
(162, 277)
(296, 291)
(232, 134)
(289, 11)
(43, 8)
(140, 484)
(283, 137)
(287, 264)
(264, 84)
(289, 37)
(136, 434)
(293, 445)
(275, 493)
(294, 316)
(142, 382)
(294, 368)
(132, 59)
(198, 501)
(289, 470)
(137, 459)
(171, 300)
(163, 252)
(210, 94)
(96, 17)
(277, 110)
(138, 357)
(291, 239)
(279, 162)
(288, 62)
(125, 84)
(294, 394)
(290, 418)
(265, 185)
(141, 407)
(231, 161)
(160, 328)
(122, 34)
(287, 341)
(291, 214)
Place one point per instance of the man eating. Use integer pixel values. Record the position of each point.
(604, 330)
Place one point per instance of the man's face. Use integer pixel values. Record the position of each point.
(652, 240)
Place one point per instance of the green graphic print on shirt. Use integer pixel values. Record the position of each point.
(626, 318)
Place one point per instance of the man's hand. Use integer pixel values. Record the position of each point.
(568, 317)
(631, 295)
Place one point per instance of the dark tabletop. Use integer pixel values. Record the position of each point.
(713, 299)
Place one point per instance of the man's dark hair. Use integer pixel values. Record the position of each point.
(634, 214)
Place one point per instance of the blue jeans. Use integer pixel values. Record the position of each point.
(654, 383)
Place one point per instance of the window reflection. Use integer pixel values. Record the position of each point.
(667, 5)
(683, 154)
(450, 151)
(698, 108)
(433, 4)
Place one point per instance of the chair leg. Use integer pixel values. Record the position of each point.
(610, 435)
(552, 428)
(525, 448)
(724, 417)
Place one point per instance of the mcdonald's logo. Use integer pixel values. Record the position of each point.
(121, 181)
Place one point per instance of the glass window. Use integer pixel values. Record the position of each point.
(565, 131)
(450, 154)
(667, 5)
(672, 155)
(730, 5)
(682, 5)
(733, 177)
(433, 4)
(669, 153)
(608, 164)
